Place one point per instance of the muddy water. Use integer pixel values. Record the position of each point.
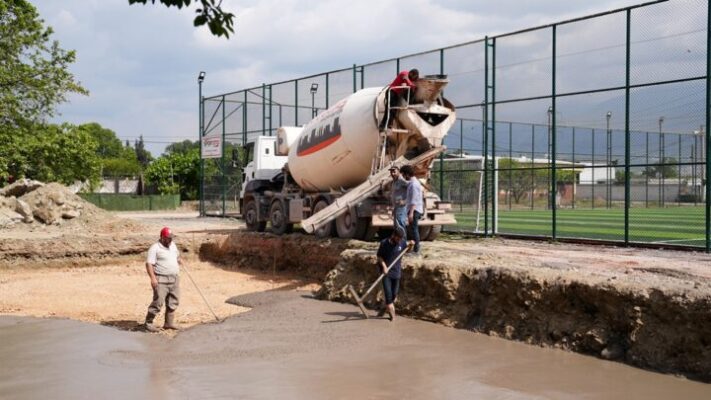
(290, 346)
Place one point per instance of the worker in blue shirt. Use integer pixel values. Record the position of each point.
(388, 251)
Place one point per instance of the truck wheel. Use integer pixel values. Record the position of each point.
(425, 232)
(250, 217)
(326, 230)
(349, 226)
(279, 219)
(436, 230)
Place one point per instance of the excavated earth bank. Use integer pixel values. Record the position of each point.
(649, 309)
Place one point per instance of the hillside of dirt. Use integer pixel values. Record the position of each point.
(651, 309)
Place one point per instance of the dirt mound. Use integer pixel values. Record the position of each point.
(26, 204)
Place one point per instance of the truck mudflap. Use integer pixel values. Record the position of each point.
(440, 214)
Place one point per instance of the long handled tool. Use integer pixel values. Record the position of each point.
(185, 268)
(359, 300)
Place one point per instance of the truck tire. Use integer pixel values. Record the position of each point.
(349, 226)
(326, 230)
(436, 230)
(250, 217)
(279, 220)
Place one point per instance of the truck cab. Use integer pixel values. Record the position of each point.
(262, 161)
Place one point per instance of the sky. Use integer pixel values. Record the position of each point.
(140, 63)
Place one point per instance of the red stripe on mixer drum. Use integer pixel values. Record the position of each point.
(318, 146)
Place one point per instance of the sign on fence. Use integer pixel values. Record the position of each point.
(211, 147)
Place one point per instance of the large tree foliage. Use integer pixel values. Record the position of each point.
(221, 23)
(116, 159)
(50, 153)
(176, 173)
(182, 147)
(108, 144)
(34, 74)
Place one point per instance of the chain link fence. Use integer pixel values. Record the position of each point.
(592, 128)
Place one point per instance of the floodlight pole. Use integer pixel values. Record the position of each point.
(201, 205)
(313, 90)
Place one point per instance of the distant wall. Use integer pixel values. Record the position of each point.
(129, 202)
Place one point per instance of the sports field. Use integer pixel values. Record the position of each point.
(671, 225)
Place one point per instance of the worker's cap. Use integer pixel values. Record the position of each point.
(166, 233)
(399, 232)
(392, 167)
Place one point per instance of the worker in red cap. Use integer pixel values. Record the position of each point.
(163, 266)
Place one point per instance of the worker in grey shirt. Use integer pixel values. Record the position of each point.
(414, 203)
(398, 195)
(163, 266)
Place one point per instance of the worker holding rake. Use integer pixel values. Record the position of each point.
(389, 254)
(163, 265)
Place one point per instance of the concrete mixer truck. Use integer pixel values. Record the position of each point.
(331, 175)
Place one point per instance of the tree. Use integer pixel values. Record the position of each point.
(176, 173)
(516, 179)
(108, 144)
(53, 153)
(220, 22)
(668, 170)
(34, 74)
(182, 147)
(144, 156)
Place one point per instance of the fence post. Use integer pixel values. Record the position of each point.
(494, 165)
(271, 109)
(485, 137)
(627, 129)
(222, 159)
(296, 102)
(554, 186)
(461, 164)
(707, 132)
(327, 80)
(264, 109)
(244, 120)
(354, 78)
(592, 186)
(508, 190)
(533, 165)
(646, 174)
(441, 155)
(575, 181)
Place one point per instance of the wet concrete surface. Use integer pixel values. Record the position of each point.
(291, 346)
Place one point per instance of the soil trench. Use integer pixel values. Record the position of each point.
(650, 309)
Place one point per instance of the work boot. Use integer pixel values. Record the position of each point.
(170, 321)
(149, 323)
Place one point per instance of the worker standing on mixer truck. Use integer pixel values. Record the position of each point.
(397, 92)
